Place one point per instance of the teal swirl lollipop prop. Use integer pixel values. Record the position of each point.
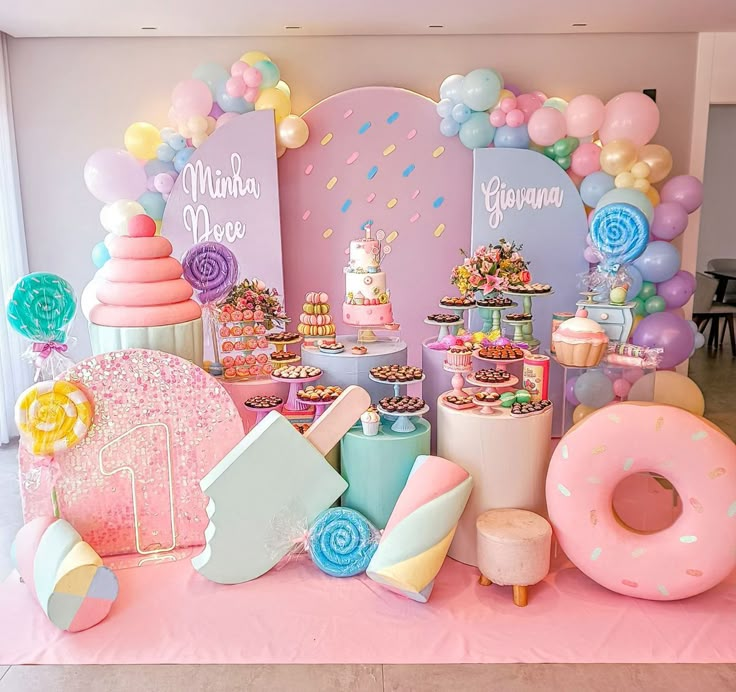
(620, 232)
(41, 306)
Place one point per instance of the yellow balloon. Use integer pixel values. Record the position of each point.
(292, 132)
(659, 160)
(505, 94)
(635, 323)
(669, 388)
(641, 169)
(580, 411)
(253, 56)
(618, 156)
(625, 179)
(158, 226)
(142, 140)
(276, 100)
(283, 86)
(653, 194)
(642, 184)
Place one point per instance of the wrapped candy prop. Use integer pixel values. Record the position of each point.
(41, 307)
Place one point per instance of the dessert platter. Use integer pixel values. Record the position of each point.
(263, 405)
(501, 355)
(396, 375)
(487, 401)
(403, 409)
(331, 349)
(296, 375)
(319, 396)
(448, 323)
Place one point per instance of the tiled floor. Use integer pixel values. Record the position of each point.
(716, 376)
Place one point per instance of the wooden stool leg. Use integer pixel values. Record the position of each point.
(713, 334)
(484, 581)
(520, 596)
(731, 335)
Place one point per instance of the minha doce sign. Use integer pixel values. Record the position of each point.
(228, 193)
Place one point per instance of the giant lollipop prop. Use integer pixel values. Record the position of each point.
(211, 269)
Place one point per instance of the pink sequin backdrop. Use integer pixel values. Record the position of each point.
(376, 153)
(128, 389)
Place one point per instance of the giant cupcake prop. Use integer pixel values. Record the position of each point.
(142, 299)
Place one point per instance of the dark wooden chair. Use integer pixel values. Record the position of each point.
(706, 311)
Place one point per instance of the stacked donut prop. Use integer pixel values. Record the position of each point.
(689, 557)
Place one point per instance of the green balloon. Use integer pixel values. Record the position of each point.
(574, 143)
(561, 147)
(564, 161)
(648, 289)
(639, 307)
(655, 304)
(549, 152)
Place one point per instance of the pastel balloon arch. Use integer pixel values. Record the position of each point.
(606, 150)
(634, 212)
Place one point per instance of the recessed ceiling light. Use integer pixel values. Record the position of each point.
(580, 24)
(149, 28)
(292, 27)
(436, 26)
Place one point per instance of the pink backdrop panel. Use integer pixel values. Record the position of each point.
(128, 389)
(376, 154)
(228, 192)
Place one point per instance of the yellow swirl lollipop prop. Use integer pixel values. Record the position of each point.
(52, 416)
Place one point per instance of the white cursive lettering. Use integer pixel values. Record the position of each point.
(197, 180)
(499, 198)
(197, 222)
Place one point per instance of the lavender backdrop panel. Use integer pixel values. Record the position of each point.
(229, 192)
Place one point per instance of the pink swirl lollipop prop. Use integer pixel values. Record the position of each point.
(211, 269)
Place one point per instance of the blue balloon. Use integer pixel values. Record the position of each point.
(100, 255)
(269, 71)
(481, 89)
(211, 74)
(620, 232)
(594, 186)
(635, 281)
(460, 113)
(449, 127)
(508, 137)
(659, 262)
(177, 142)
(165, 152)
(452, 88)
(444, 108)
(594, 389)
(231, 104)
(153, 204)
(181, 158)
(154, 167)
(477, 131)
(627, 195)
(166, 133)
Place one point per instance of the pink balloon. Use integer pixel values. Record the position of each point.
(163, 182)
(591, 255)
(528, 103)
(546, 126)
(584, 116)
(586, 159)
(631, 115)
(498, 117)
(251, 94)
(191, 97)
(576, 179)
(507, 104)
(621, 388)
(252, 77)
(540, 95)
(113, 174)
(515, 118)
(235, 87)
(237, 68)
(670, 220)
(633, 374)
(687, 190)
(225, 118)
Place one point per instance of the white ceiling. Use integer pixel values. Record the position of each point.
(43, 18)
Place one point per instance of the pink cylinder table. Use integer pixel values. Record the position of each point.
(240, 391)
(507, 457)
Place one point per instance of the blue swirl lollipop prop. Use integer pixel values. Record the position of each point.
(620, 232)
(342, 542)
(41, 306)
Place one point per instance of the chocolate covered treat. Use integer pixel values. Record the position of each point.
(319, 393)
(462, 302)
(499, 302)
(487, 396)
(525, 409)
(296, 372)
(397, 374)
(264, 401)
(492, 376)
(401, 404)
(518, 316)
(444, 318)
(278, 356)
(458, 400)
(508, 352)
(282, 337)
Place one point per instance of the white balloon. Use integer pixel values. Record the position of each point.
(114, 217)
(89, 296)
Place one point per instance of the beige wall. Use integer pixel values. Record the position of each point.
(73, 96)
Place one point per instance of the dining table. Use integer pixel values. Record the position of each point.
(723, 278)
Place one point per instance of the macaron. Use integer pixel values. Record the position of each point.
(523, 397)
(508, 399)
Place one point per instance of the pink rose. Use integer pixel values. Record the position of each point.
(474, 280)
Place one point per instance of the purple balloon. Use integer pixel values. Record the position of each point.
(685, 189)
(591, 255)
(666, 331)
(677, 290)
(512, 88)
(216, 111)
(570, 392)
(113, 174)
(670, 220)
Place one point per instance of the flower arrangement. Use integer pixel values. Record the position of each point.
(253, 294)
(491, 268)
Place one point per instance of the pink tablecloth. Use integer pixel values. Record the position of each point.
(170, 614)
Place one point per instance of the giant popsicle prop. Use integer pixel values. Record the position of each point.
(421, 527)
(273, 475)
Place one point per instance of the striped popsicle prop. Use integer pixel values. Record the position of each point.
(74, 588)
(421, 527)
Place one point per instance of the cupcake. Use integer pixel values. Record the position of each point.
(580, 342)
(370, 421)
(459, 357)
(142, 301)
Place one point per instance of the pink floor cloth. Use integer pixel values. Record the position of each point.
(170, 614)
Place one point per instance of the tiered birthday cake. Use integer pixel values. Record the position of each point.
(367, 302)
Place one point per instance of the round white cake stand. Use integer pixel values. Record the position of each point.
(403, 422)
(487, 406)
(446, 328)
(511, 382)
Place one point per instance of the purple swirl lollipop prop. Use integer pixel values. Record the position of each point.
(211, 269)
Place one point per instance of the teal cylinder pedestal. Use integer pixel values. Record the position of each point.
(376, 468)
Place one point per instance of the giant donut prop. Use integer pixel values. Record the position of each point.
(685, 559)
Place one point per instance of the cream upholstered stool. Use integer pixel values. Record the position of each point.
(513, 549)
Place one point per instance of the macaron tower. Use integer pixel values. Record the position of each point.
(142, 299)
(315, 322)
